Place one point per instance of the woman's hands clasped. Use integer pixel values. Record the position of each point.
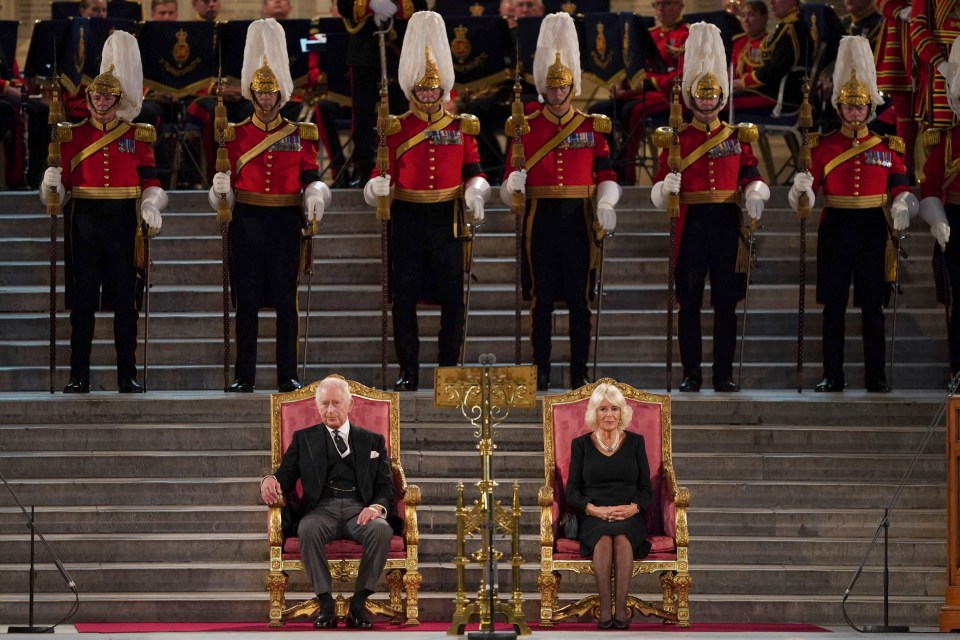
(613, 513)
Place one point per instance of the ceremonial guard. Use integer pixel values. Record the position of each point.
(570, 190)
(109, 177)
(434, 172)
(858, 172)
(274, 189)
(716, 165)
(940, 187)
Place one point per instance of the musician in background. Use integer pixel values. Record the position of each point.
(164, 10)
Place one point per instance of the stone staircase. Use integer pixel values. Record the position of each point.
(152, 503)
(186, 317)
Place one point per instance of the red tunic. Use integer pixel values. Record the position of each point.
(931, 36)
(276, 176)
(122, 168)
(746, 56)
(437, 153)
(940, 170)
(862, 181)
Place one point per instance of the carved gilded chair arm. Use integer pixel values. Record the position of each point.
(399, 479)
(545, 500)
(412, 527)
(274, 527)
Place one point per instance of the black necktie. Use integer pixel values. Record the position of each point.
(341, 445)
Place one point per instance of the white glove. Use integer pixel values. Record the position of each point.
(517, 181)
(383, 10)
(316, 199)
(153, 200)
(476, 192)
(380, 186)
(900, 215)
(942, 69)
(802, 183)
(606, 216)
(755, 196)
(941, 231)
(221, 183)
(608, 195)
(671, 183)
(904, 14)
(51, 180)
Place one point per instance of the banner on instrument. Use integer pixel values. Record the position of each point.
(179, 58)
(480, 48)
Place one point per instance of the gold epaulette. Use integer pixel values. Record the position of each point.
(813, 139)
(469, 124)
(896, 144)
(230, 132)
(64, 132)
(747, 132)
(663, 137)
(601, 123)
(309, 131)
(145, 133)
(931, 138)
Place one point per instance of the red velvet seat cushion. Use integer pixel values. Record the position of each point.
(343, 549)
(658, 545)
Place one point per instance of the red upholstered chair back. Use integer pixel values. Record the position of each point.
(564, 421)
(374, 410)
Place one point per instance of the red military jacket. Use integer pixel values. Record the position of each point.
(573, 166)
(111, 161)
(716, 162)
(271, 163)
(746, 53)
(931, 36)
(671, 42)
(893, 48)
(942, 167)
(431, 155)
(857, 174)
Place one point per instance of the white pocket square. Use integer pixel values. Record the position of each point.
(374, 454)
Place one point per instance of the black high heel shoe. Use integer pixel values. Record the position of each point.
(605, 624)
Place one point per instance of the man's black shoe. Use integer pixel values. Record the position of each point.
(543, 380)
(130, 385)
(691, 384)
(358, 619)
(289, 385)
(878, 386)
(407, 381)
(240, 386)
(325, 620)
(579, 380)
(77, 385)
(829, 385)
(725, 386)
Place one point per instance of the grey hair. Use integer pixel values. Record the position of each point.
(336, 381)
(614, 396)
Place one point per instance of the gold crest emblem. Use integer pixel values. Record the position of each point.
(476, 9)
(568, 6)
(600, 43)
(627, 53)
(460, 46)
(81, 51)
(814, 30)
(181, 50)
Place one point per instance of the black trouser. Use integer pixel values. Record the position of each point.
(851, 244)
(559, 252)
(102, 234)
(265, 255)
(366, 96)
(709, 243)
(427, 264)
(952, 260)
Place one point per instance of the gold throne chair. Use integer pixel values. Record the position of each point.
(377, 411)
(666, 519)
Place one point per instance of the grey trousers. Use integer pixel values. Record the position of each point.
(335, 519)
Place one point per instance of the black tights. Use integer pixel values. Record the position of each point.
(612, 564)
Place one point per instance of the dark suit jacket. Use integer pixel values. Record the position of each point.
(306, 460)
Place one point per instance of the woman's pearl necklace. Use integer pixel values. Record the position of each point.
(611, 448)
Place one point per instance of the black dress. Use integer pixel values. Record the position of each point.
(604, 481)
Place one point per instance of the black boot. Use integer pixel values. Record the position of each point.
(408, 381)
(77, 384)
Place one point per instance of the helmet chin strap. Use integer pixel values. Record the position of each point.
(260, 111)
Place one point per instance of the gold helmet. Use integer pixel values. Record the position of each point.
(705, 73)
(106, 84)
(264, 80)
(559, 75)
(853, 92)
(431, 73)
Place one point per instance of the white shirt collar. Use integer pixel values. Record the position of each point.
(344, 430)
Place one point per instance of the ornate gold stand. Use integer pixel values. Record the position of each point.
(485, 396)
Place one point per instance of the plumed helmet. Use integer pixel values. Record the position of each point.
(704, 65)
